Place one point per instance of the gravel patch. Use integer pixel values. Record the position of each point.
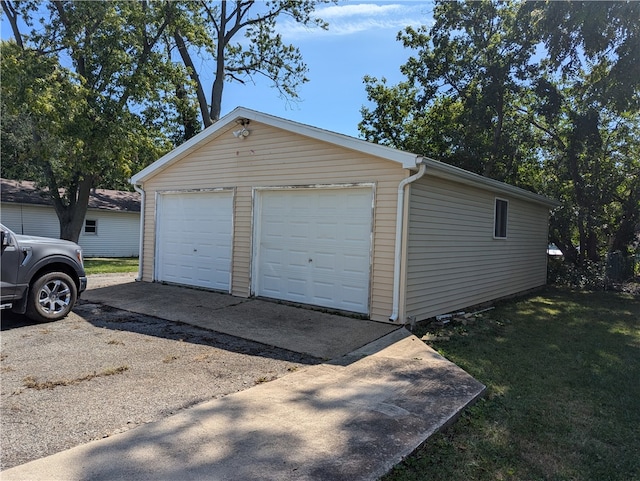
(102, 371)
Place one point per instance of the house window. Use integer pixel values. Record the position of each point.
(90, 227)
(500, 219)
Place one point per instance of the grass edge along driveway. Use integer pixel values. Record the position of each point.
(562, 369)
(110, 265)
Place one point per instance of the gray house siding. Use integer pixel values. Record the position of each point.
(38, 220)
(118, 233)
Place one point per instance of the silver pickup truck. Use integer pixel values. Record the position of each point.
(41, 277)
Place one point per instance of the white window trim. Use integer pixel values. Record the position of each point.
(495, 218)
(84, 228)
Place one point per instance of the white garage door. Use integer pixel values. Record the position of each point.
(313, 246)
(194, 239)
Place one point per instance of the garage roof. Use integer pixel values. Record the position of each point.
(406, 159)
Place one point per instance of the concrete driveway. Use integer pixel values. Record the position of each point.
(319, 334)
(352, 418)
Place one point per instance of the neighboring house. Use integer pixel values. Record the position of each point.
(111, 226)
(256, 205)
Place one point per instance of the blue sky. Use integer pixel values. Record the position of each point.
(361, 40)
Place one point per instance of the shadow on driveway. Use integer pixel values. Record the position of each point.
(325, 422)
(382, 396)
(318, 334)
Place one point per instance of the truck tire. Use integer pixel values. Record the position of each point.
(51, 297)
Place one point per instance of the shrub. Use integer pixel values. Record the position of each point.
(610, 273)
(591, 275)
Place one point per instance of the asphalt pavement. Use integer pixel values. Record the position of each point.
(381, 393)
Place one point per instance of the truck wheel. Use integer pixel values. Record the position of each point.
(51, 297)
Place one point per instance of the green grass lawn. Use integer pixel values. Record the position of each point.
(107, 265)
(563, 400)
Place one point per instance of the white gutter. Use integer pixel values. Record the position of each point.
(421, 162)
(140, 248)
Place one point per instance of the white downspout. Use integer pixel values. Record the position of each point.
(140, 248)
(399, 229)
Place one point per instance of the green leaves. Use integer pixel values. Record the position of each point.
(83, 85)
(482, 93)
(599, 38)
(96, 92)
(463, 85)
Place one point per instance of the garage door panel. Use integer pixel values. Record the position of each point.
(297, 287)
(273, 285)
(194, 239)
(323, 241)
(325, 261)
(356, 235)
(295, 258)
(351, 265)
(273, 227)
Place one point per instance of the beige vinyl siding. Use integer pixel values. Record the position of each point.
(453, 260)
(274, 157)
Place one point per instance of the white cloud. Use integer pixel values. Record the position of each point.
(362, 9)
(362, 17)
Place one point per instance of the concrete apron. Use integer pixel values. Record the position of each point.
(350, 419)
(319, 334)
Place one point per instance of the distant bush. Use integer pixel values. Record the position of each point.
(590, 276)
(607, 274)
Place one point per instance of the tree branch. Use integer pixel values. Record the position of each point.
(193, 74)
(12, 15)
(79, 59)
(544, 129)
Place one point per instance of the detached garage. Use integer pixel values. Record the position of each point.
(256, 205)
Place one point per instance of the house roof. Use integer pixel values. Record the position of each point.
(407, 160)
(25, 192)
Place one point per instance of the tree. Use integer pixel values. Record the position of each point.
(93, 121)
(470, 71)
(592, 87)
(214, 27)
(96, 92)
(479, 96)
(602, 38)
(593, 167)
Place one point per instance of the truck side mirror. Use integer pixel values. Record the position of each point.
(5, 238)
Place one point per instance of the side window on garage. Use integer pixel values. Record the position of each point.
(500, 219)
(90, 227)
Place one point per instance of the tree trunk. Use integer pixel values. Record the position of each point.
(490, 166)
(193, 73)
(218, 82)
(70, 230)
(629, 222)
(592, 246)
(71, 216)
(187, 118)
(217, 88)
